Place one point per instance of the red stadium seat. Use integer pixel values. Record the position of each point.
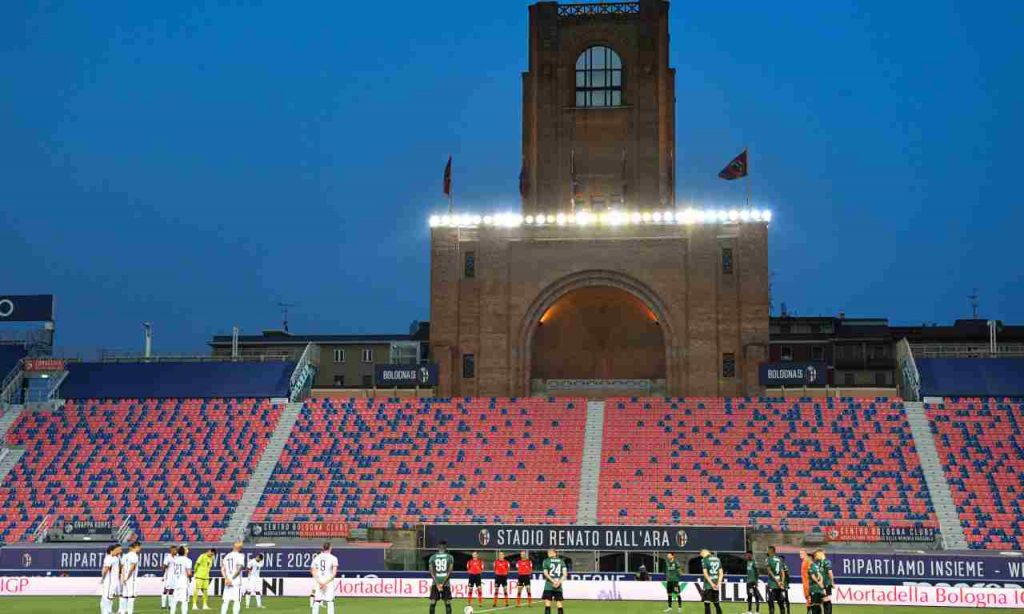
(376, 463)
(981, 447)
(178, 467)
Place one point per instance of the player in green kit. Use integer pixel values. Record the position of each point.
(775, 581)
(555, 573)
(817, 585)
(672, 582)
(202, 575)
(711, 570)
(785, 586)
(828, 578)
(753, 590)
(441, 564)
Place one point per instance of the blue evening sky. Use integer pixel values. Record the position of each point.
(192, 163)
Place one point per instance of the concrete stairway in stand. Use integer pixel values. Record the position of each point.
(590, 467)
(261, 475)
(938, 487)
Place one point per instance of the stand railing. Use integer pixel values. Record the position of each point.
(604, 8)
(305, 371)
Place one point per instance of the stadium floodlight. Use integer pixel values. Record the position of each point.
(656, 216)
(766, 215)
(745, 215)
(477, 219)
(551, 219)
(560, 219)
(584, 218)
(488, 220)
(755, 215)
(645, 217)
(529, 219)
(616, 218)
(435, 221)
(636, 218)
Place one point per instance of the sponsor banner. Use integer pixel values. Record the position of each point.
(35, 365)
(938, 569)
(26, 308)
(89, 527)
(370, 586)
(849, 533)
(603, 537)
(86, 560)
(317, 530)
(386, 376)
(793, 374)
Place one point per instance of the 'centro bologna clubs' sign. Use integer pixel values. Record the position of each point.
(793, 374)
(405, 375)
(604, 537)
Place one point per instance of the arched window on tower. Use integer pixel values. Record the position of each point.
(599, 78)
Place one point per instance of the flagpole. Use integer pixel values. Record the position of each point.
(747, 150)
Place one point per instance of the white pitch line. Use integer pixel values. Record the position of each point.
(507, 607)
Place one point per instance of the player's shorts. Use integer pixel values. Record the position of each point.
(828, 593)
(233, 592)
(553, 594)
(524, 581)
(254, 586)
(501, 581)
(475, 579)
(709, 596)
(817, 598)
(128, 590)
(444, 594)
(202, 584)
(776, 594)
(672, 587)
(167, 586)
(324, 595)
(180, 594)
(752, 589)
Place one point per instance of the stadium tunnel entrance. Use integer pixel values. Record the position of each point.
(598, 341)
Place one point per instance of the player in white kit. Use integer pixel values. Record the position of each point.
(129, 574)
(324, 570)
(165, 596)
(231, 568)
(254, 584)
(110, 579)
(180, 573)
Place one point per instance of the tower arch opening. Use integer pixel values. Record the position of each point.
(598, 333)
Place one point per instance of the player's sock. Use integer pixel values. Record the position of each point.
(316, 607)
(547, 609)
(561, 610)
(718, 609)
(163, 600)
(259, 601)
(707, 608)
(238, 606)
(330, 607)
(771, 605)
(447, 607)
(433, 606)
(224, 606)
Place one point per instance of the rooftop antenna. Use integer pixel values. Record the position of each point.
(973, 296)
(284, 312)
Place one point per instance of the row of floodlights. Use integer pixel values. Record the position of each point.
(604, 218)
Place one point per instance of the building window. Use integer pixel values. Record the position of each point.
(849, 379)
(599, 78)
(367, 381)
(469, 265)
(339, 381)
(468, 366)
(817, 353)
(728, 365)
(880, 379)
(339, 355)
(368, 355)
(786, 352)
(726, 261)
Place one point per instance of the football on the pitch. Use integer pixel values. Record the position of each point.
(467, 610)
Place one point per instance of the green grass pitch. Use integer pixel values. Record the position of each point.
(279, 605)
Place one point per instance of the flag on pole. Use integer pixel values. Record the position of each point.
(735, 169)
(448, 178)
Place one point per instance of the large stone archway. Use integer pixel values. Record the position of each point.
(596, 325)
